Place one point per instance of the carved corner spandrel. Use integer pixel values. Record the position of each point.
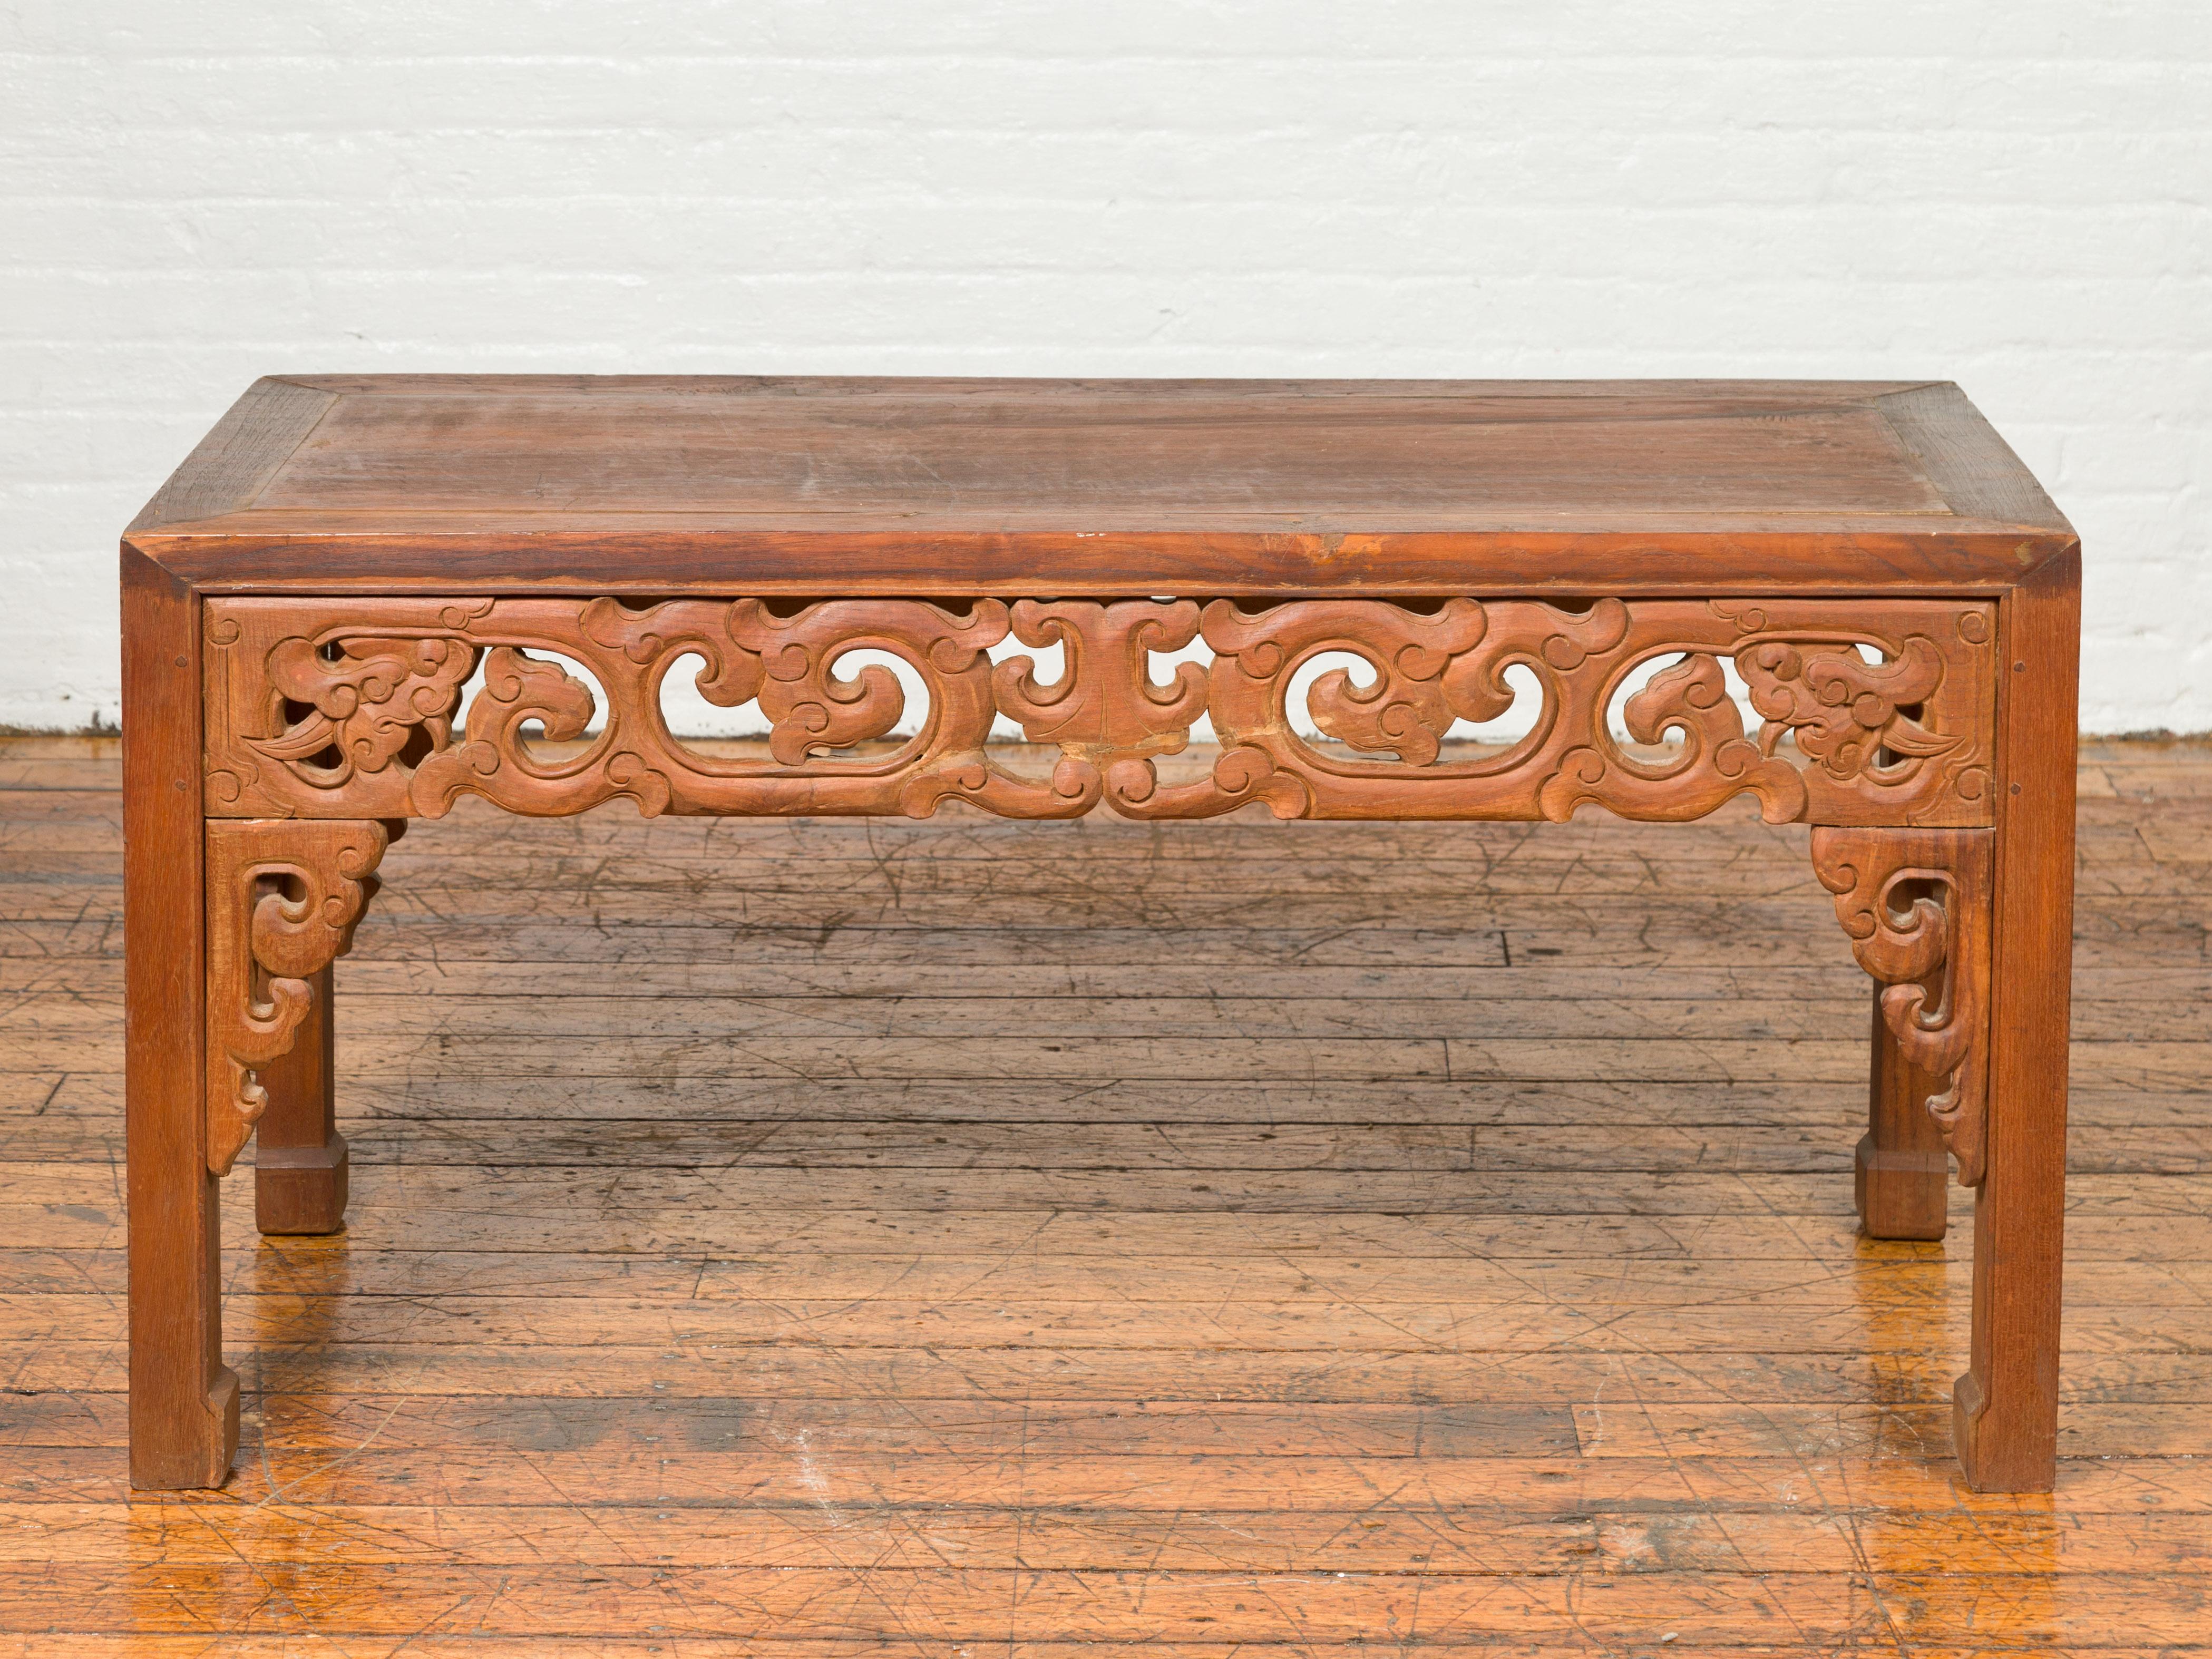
(1917, 904)
(283, 897)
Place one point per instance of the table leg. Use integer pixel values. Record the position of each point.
(2006, 1406)
(299, 1168)
(184, 1400)
(1902, 1174)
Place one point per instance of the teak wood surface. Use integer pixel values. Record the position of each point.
(307, 603)
(816, 1236)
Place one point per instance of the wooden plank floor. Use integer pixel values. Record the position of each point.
(813, 1238)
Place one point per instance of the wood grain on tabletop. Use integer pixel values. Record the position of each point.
(893, 1263)
(400, 484)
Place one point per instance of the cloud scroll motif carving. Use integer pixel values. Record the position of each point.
(283, 900)
(346, 707)
(582, 754)
(1688, 752)
(1104, 711)
(1916, 903)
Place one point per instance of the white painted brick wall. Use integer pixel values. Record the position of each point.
(2010, 193)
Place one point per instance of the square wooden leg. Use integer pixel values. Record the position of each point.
(300, 1168)
(2006, 1416)
(184, 1400)
(1902, 1174)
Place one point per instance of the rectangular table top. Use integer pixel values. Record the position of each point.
(412, 483)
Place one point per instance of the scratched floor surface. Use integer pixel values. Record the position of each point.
(813, 1238)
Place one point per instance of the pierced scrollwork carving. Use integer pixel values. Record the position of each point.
(370, 698)
(1916, 903)
(346, 707)
(1903, 740)
(530, 743)
(1104, 711)
(1841, 710)
(282, 899)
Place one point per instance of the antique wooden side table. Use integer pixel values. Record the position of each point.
(304, 601)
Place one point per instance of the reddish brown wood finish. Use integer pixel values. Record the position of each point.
(356, 528)
(1901, 1172)
(184, 1400)
(1916, 903)
(1055, 489)
(283, 897)
(300, 1165)
(2007, 1404)
(344, 708)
